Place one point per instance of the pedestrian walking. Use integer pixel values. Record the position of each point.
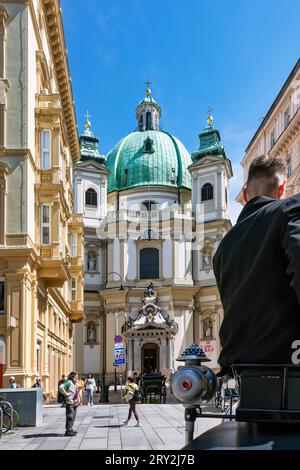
(37, 383)
(133, 397)
(71, 393)
(12, 383)
(90, 386)
(80, 385)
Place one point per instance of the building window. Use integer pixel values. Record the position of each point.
(2, 296)
(91, 197)
(45, 149)
(289, 167)
(148, 146)
(207, 192)
(148, 121)
(272, 138)
(149, 263)
(73, 244)
(73, 289)
(286, 117)
(45, 224)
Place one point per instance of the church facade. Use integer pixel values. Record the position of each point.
(153, 217)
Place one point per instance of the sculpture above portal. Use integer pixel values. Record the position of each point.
(151, 315)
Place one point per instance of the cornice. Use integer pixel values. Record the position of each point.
(53, 18)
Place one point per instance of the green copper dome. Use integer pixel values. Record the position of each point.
(148, 157)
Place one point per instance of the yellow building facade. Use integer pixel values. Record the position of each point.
(279, 133)
(41, 241)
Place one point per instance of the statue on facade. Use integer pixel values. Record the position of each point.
(91, 333)
(207, 329)
(207, 258)
(92, 261)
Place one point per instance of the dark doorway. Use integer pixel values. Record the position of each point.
(150, 358)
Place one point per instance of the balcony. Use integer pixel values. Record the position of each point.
(77, 311)
(54, 271)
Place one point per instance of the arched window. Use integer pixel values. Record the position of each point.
(207, 192)
(91, 197)
(149, 263)
(148, 121)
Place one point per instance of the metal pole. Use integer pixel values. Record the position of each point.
(190, 415)
(115, 365)
(1, 421)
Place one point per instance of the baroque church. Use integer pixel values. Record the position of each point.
(153, 216)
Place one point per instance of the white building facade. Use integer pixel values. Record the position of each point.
(153, 217)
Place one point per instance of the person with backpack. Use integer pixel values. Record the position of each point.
(72, 399)
(133, 397)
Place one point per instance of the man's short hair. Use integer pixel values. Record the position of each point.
(266, 167)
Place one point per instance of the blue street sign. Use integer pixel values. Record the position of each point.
(119, 355)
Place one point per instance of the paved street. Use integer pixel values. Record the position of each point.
(99, 427)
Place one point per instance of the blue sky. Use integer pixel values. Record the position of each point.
(231, 54)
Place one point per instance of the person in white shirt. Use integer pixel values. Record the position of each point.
(90, 386)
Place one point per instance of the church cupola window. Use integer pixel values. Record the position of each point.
(148, 146)
(148, 121)
(141, 123)
(149, 263)
(91, 198)
(207, 192)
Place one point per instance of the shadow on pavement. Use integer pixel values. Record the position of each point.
(30, 436)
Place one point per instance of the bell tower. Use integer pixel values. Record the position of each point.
(210, 172)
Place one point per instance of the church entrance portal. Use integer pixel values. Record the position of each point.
(150, 358)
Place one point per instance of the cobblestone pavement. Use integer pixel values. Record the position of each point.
(99, 427)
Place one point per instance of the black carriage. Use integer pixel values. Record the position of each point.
(153, 385)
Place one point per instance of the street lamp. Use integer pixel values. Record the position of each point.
(116, 316)
(103, 398)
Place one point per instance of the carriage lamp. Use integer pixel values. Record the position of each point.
(193, 383)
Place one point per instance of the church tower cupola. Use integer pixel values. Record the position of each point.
(89, 144)
(210, 142)
(148, 112)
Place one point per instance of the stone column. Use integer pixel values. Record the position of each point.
(3, 82)
(3, 173)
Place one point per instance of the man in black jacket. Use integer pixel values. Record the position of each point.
(257, 269)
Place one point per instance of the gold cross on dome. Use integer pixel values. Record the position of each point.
(210, 110)
(148, 91)
(209, 118)
(88, 116)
